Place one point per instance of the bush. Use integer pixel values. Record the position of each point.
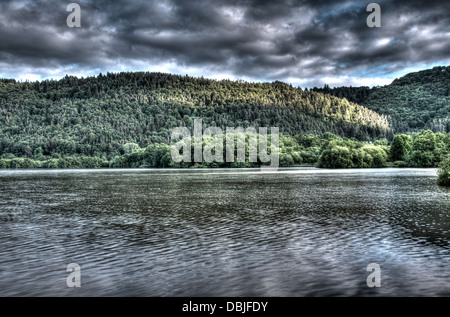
(286, 160)
(296, 156)
(378, 155)
(129, 148)
(421, 159)
(361, 158)
(335, 157)
(444, 173)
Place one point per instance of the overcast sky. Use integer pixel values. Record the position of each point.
(307, 43)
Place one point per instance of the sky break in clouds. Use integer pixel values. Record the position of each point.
(307, 43)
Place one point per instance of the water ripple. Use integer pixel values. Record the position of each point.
(298, 232)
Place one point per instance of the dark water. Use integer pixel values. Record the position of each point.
(296, 232)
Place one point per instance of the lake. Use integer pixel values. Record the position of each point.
(224, 232)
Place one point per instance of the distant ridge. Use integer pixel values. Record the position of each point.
(98, 115)
(416, 101)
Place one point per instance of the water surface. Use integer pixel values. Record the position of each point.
(225, 232)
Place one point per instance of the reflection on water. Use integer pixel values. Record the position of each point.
(295, 232)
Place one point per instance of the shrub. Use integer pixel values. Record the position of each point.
(335, 157)
(444, 173)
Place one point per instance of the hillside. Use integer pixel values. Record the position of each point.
(416, 101)
(97, 116)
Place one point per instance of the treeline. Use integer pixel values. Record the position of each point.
(416, 101)
(126, 120)
(96, 116)
(424, 149)
(65, 162)
(293, 151)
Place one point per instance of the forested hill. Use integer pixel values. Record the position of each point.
(416, 101)
(96, 116)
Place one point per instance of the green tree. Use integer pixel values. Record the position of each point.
(361, 158)
(130, 148)
(379, 156)
(400, 147)
(444, 173)
(335, 156)
(422, 151)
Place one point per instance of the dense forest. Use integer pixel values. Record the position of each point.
(416, 101)
(126, 120)
(424, 149)
(96, 116)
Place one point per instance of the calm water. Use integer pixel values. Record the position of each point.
(295, 232)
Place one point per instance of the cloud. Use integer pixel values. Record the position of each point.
(306, 42)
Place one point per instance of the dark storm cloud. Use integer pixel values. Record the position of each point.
(303, 42)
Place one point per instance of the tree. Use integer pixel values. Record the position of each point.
(335, 156)
(400, 147)
(379, 156)
(444, 173)
(130, 148)
(422, 151)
